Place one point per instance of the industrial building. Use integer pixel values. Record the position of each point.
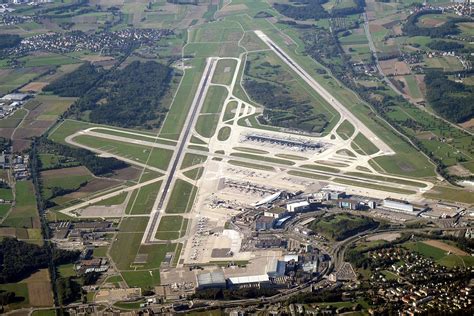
(397, 205)
(210, 280)
(299, 206)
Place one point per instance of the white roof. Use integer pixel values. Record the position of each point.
(300, 203)
(249, 279)
(290, 257)
(268, 199)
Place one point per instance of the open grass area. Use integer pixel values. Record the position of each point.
(192, 160)
(321, 168)
(182, 197)
(194, 174)
(224, 71)
(224, 133)
(440, 256)
(345, 130)
(308, 175)
(214, 100)
(250, 165)
(387, 179)
(141, 200)
(230, 110)
(206, 124)
(450, 193)
(363, 146)
(264, 158)
(373, 186)
(145, 279)
(24, 213)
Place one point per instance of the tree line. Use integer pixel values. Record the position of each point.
(452, 100)
(128, 97)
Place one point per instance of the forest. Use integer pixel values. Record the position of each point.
(445, 46)
(411, 28)
(303, 10)
(77, 83)
(452, 100)
(116, 99)
(97, 165)
(9, 40)
(281, 110)
(19, 259)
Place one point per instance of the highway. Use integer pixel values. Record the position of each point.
(345, 113)
(178, 153)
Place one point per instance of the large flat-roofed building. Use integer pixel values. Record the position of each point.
(299, 206)
(398, 205)
(210, 280)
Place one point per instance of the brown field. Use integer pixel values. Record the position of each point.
(79, 170)
(446, 247)
(129, 173)
(34, 86)
(39, 289)
(394, 67)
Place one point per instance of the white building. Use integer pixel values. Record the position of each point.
(398, 205)
(296, 207)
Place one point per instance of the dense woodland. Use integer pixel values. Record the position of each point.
(303, 9)
(9, 40)
(281, 110)
(19, 259)
(338, 228)
(77, 83)
(445, 46)
(452, 100)
(97, 165)
(411, 28)
(112, 98)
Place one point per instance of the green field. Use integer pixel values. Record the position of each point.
(182, 197)
(230, 111)
(440, 256)
(141, 200)
(264, 158)
(250, 165)
(190, 160)
(224, 133)
(24, 214)
(224, 71)
(363, 146)
(345, 130)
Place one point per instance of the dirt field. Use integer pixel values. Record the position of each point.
(34, 86)
(386, 236)
(394, 67)
(80, 170)
(446, 247)
(39, 289)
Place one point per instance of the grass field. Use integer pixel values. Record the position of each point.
(224, 71)
(440, 256)
(363, 146)
(230, 111)
(141, 201)
(345, 130)
(24, 213)
(206, 124)
(250, 165)
(264, 158)
(192, 160)
(182, 197)
(224, 133)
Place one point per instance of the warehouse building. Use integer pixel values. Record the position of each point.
(397, 205)
(211, 280)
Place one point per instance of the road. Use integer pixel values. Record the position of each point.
(345, 113)
(176, 159)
